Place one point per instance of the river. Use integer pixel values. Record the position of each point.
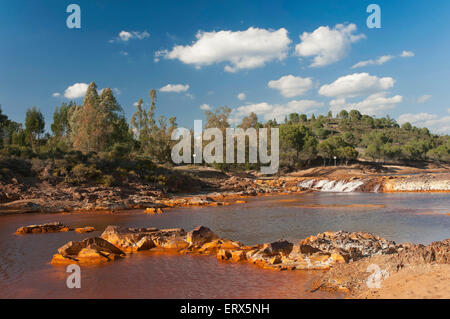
(25, 271)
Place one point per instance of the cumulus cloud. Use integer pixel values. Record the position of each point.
(423, 98)
(268, 111)
(327, 45)
(76, 91)
(375, 104)
(177, 88)
(205, 107)
(290, 86)
(247, 49)
(241, 96)
(382, 59)
(125, 36)
(56, 94)
(356, 84)
(438, 124)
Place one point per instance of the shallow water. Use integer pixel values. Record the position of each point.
(24, 260)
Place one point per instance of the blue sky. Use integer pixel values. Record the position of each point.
(211, 51)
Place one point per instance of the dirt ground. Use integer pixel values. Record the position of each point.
(417, 282)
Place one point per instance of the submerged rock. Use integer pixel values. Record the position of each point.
(44, 228)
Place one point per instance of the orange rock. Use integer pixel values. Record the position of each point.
(59, 259)
(240, 202)
(91, 256)
(176, 243)
(150, 210)
(83, 230)
(238, 255)
(337, 258)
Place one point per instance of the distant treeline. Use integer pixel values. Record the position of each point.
(99, 127)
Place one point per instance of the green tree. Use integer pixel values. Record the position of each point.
(34, 126)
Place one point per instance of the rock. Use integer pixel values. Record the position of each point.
(175, 243)
(238, 255)
(217, 244)
(277, 247)
(83, 230)
(351, 246)
(145, 243)
(436, 252)
(72, 248)
(223, 254)
(91, 256)
(44, 228)
(89, 251)
(129, 239)
(200, 235)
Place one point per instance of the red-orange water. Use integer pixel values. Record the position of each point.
(24, 260)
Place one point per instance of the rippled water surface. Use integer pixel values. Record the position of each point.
(24, 260)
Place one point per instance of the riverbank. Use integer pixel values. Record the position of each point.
(216, 188)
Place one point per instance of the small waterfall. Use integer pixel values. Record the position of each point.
(325, 185)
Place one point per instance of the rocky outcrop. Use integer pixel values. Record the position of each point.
(316, 252)
(351, 246)
(137, 239)
(436, 252)
(44, 228)
(89, 251)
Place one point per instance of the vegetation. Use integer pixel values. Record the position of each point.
(93, 143)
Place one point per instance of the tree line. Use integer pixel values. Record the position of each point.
(99, 126)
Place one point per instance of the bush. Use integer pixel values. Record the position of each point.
(107, 180)
(81, 174)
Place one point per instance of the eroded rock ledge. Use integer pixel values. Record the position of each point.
(55, 227)
(320, 252)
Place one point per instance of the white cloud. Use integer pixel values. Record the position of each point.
(382, 59)
(290, 86)
(438, 124)
(124, 53)
(375, 104)
(175, 88)
(247, 49)
(268, 111)
(407, 54)
(327, 45)
(205, 107)
(356, 84)
(241, 96)
(56, 94)
(125, 36)
(423, 98)
(76, 91)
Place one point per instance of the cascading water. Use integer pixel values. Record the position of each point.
(325, 185)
